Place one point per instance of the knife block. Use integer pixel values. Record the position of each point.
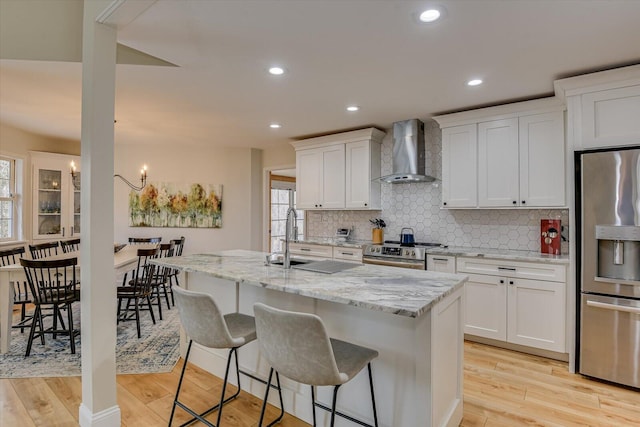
(377, 236)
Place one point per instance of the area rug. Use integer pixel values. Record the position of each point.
(157, 350)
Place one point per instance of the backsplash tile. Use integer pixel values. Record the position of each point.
(417, 205)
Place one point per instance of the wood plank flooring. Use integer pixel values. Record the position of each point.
(501, 388)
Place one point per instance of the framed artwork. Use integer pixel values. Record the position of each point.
(176, 205)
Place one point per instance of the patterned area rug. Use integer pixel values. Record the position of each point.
(157, 350)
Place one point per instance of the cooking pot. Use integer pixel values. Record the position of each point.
(406, 238)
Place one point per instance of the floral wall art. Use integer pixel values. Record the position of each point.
(174, 205)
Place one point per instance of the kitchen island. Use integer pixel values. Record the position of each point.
(413, 318)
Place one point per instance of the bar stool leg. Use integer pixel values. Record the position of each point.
(333, 405)
(266, 396)
(313, 405)
(184, 368)
(373, 398)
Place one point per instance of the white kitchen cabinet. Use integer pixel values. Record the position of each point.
(510, 303)
(56, 196)
(542, 159)
(338, 171)
(610, 117)
(320, 177)
(441, 263)
(505, 156)
(362, 168)
(459, 166)
(343, 253)
(498, 169)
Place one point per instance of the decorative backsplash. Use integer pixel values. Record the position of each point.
(417, 206)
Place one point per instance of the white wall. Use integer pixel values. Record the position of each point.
(234, 168)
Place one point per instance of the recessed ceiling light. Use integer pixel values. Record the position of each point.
(429, 15)
(275, 125)
(353, 108)
(276, 71)
(474, 82)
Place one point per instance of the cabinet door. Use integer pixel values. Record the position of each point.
(498, 170)
(56, 202)
(536, 314)
(361, 191)
(486, 307)
(308, 178)
(542, 165)
(441, 263)
(459, 167)
(333, 177)
(610, 117)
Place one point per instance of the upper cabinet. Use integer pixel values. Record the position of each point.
(507, 156)
(339, 171)
(603, 108)
(56, 196)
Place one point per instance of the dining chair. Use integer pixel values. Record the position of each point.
(21, 294)
(161, 278)
(297, 346)
(53, 285)
(138, 289)
(174, 273)
(204, 324)
(43, 250)
(70, 245)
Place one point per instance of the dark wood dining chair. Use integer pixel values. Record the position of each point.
(53, 285)
(70, 245)
(43, 250)
(161, 278)
(173, 274)
(138, 290)
(21, 294)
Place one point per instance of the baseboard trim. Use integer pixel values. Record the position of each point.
(109, 417)
(563, 357)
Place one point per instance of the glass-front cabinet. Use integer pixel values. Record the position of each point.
(56, 196)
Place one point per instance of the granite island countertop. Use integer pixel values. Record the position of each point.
(399, 291)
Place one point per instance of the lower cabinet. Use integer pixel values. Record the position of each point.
(441, 263)
(511, 303)
(342, 253)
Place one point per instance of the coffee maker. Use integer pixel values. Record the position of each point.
(550, 236)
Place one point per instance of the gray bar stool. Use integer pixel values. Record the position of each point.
(204, 324)
(297, 346)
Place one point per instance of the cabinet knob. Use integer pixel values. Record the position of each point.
(515, 202)
(445, 203)
(365, 204)
(511, 282)
(316, 206)
(501, 281)
(524, 202)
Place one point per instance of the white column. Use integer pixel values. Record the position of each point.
(98, 321)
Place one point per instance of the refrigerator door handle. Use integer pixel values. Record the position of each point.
(613, 307)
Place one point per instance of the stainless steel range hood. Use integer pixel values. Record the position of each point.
(408, 153)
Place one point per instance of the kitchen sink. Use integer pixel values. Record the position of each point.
(280, 262)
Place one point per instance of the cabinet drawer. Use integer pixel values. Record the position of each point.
(347, 254)
(524, 270)
(311, 250)
(441, 263)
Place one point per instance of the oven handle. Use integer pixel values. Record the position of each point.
(412, 265)
(613, 307)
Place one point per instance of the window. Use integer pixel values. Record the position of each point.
(283, 195)
(8, 199)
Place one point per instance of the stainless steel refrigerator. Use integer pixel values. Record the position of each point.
(608, 199)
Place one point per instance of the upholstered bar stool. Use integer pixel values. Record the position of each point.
(204, 324)
(297, 346)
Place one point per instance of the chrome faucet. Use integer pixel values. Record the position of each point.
(290, 228)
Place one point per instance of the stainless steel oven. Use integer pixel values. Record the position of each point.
(393, 254)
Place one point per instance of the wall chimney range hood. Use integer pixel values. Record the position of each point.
(408, 153)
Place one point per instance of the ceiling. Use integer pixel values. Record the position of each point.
(372, 54)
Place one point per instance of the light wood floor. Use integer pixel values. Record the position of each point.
(501, 388)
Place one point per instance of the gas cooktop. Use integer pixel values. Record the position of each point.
(416, 244)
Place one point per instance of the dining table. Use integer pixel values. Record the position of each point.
(123, 261)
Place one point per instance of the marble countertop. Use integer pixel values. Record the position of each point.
(332, 241)
(399, 291)
(503, 254)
